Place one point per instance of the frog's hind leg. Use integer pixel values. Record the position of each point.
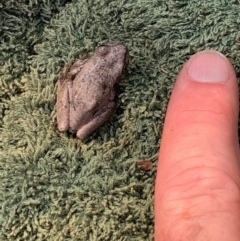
(63, 105)
(99, 119)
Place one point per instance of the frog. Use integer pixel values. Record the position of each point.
(87, 92)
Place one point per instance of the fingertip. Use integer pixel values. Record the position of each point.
(208, 66)
(206, 76)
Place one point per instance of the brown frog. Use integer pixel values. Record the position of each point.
(86, 95)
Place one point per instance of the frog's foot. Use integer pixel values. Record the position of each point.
(78, 65)
(99, 119)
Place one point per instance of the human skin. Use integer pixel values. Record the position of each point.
(197, 191)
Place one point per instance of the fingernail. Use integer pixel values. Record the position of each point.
(209, 67)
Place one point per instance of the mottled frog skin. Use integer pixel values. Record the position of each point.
(86, 95)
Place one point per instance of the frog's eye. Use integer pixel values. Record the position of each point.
(103, 50)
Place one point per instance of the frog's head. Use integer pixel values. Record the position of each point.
(115, 57)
